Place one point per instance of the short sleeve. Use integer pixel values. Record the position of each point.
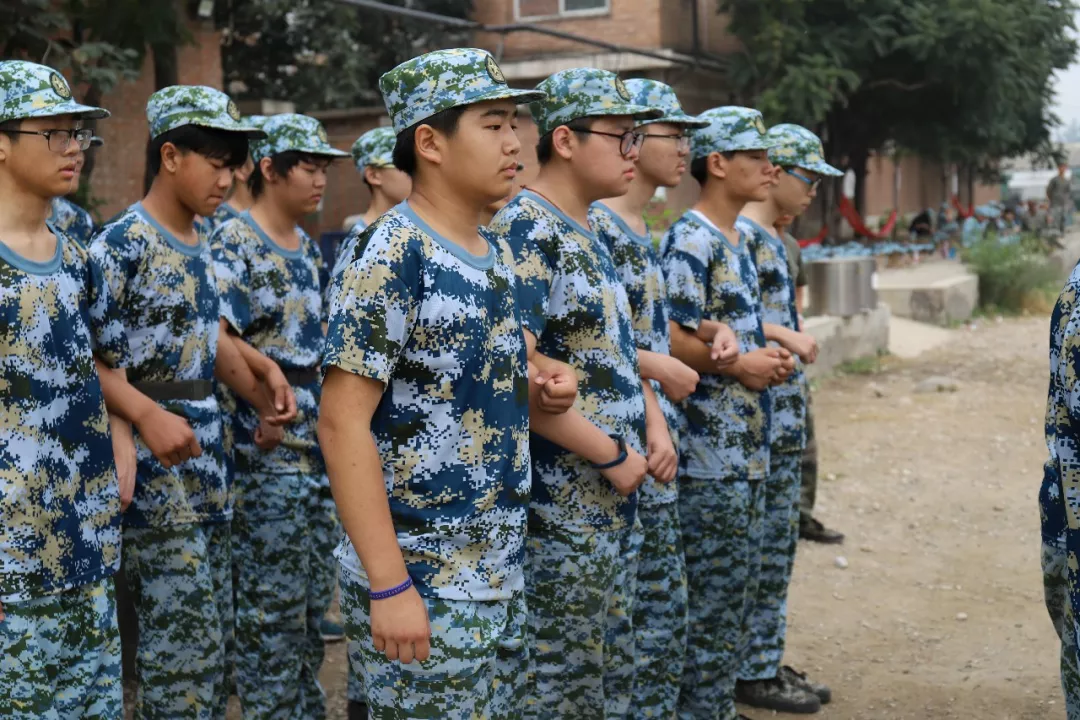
(117, 257)
(373, 311)
(686, 269)
(108, 337)
(233, 275)
(531, 266)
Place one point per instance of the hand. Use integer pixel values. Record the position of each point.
(169, 437)
(400, 627)
(679, 380)
(804, 345)
(268, 436)
(123, 442)
(787, 366)
(725, 347)
(757, 369)
(559, 388)
(284, 400)
(663, 460)
(627, 476)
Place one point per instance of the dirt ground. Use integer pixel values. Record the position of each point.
(937, 496)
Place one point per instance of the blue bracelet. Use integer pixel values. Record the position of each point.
(384, 594)
(621, 441)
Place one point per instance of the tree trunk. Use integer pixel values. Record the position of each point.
(898, 175)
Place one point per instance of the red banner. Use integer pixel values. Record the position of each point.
(817, 239)
(847, 209)
(960, 209)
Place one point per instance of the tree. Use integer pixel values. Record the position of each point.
(322, 54)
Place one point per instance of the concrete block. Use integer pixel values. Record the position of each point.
(939, 292)
(842, 340)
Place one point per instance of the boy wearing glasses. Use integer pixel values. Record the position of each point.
(725, 449)
(59, 499)
(574, 309)
(67, 217)
(799, 167)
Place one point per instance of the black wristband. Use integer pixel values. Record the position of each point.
(617, 461)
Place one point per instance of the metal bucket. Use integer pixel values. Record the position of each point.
(842, 286)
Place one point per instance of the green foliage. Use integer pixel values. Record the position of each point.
(321, 54)
(1013, 278)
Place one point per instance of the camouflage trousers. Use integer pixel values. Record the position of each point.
(570, 588)
(722, 530)
(808, 490)
(180, 581)
(476, 670)
(620, 656)
(60, 656)
(1055, 567)
(766, 627)
(659, 613)
(283, 537)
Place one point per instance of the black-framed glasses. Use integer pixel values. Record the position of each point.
(682, 142)
(628, 141)
(814, 184)
(59, 139)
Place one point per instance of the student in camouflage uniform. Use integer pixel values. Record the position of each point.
(797, 157)
(67, 217)
(373, 155)
(659, 616)
(724, 461)
(284, 526)
(580, 563)
(157, 261)
(239, 198)
(59, 502)
(1059, 496)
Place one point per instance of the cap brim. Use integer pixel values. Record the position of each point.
(642, 112)
(252, 133)
(68, 108)
(521, 97)
(683, 119)
(332, 152)
(824, 168)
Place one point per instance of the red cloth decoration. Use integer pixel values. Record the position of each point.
(847, 209)
(960, 209)
(816, 240)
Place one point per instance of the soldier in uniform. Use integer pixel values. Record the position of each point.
(1059, 194)
(659, 615)
(724, 462)
(157, 261)
(60, 501)
(580, 565)
(797, 156)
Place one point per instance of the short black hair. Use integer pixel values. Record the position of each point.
(545, 147)
(9, 127)
(282, 163)
(699, 167)
(212, 144)
(445, 122)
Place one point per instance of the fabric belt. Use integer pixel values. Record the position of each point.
(302, 376)
(176, 390)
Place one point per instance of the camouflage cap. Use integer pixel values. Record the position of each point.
(798, 147)
(436, 81)
(731, 128)
(655, 94)
(375, 148)
(179, 105)
(293, 132)
(29, 90)
(584, 92)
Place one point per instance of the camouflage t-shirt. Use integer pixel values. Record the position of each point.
(224, 214)
(346, 249)
(270, 296)
(169, 304)
(726, 432)
(787, 429)
(573, 301)
(638, 263)
(70, 219)
(59, 500)
(1063, 398)
(440, 328)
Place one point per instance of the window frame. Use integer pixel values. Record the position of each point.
(563, 13)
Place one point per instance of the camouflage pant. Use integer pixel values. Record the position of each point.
(477, 667)
(767, 606)
(659, 613)
(808, 494)
(722, 529)
(60, 656)
(620, 653)
(285, 575)
(570, 590)
(326, 534)
(1055, 567)
(180, 581)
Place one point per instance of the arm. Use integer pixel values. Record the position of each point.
(557, 380)
(663, 460)
(283, 408)
(676, 379)
(800, 302)
(123, 442)
(400, 623)
(795, 342)
(692, 350)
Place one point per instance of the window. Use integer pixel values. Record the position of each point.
(546, 9)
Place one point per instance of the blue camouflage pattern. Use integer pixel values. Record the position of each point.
(637, 261)
(478, 665)
(436, 81)
(29, 90)
(179, 105)
(659, 96)
(292, 132)
(620, 652)
(730, 129)
(573, 301)
(222, 215)
(59, 499)
(1055, 569)
(725, 434)
(440, 328)
(346, 250)
(61, 656)
(74, 222)
(569, 95)
(271, 298)
(795, 146)
(169, 305)
(375, 148)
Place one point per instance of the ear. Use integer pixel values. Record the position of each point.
(266, 167)
(717, 165)
(372, 176)
(429, 144)
(563, 142)
(170, 157)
